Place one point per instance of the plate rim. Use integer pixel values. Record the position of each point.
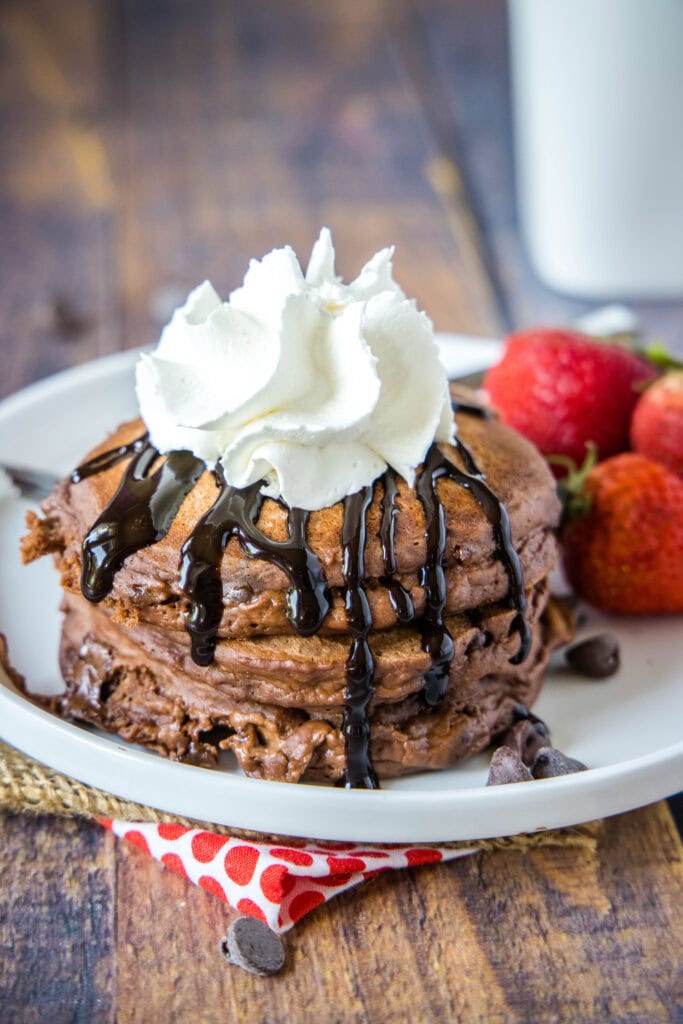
(595, 784)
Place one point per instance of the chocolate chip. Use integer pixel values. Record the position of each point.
(521, 713)
(251, 945)
(506, 766)
(596, 658)
(526, 738)
(549, 763)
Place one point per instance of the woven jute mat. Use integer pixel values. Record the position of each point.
(27, 785)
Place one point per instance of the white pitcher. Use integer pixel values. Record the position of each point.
(598, 114)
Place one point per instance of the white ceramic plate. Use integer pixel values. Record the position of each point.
(627, 728)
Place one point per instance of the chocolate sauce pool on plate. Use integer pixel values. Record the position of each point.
(146, 502)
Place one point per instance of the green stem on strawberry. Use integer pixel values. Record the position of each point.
(654, 352)
(570, 488)
(657, 354)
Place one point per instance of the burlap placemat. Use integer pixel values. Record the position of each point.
(27, 785)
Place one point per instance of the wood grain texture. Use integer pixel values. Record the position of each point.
(145, 146)
(56, 192)
(57, 921)
(505, 938)
(283, 123)
(150, 148)
(563, 935)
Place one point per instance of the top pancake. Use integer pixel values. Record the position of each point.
(514, 470)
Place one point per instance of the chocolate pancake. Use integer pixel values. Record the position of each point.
(310, 672)
(398, 627)
(254, 590)
(116, 684)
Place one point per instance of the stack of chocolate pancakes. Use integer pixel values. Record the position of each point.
(396, 631)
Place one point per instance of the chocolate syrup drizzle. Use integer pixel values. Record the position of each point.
(479, 411)
(139, 514)
(234, 514)
(360, 665)
(436, 640)
(400, 598)
(108, 459)
(144, 506)
(496, 513)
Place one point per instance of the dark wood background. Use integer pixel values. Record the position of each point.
(146, 145)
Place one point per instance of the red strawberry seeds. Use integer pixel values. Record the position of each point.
(625, 554)
(657, 425)
(562, 389)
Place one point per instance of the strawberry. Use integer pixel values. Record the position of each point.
(624, 551)
(657, 424)
(562, 389)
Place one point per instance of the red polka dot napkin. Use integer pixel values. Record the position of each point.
(276, 884)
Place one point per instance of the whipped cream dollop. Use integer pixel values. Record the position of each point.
(309, 384)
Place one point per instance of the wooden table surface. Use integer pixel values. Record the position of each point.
(145, 146)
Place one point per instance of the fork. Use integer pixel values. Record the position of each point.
(31, 483)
